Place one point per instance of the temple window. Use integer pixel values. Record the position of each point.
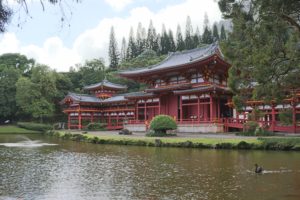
(159, 82)
(197, 78)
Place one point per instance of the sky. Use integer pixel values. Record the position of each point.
(84, 32)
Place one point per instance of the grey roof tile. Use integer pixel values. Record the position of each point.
(84, 98)
(180, 58)
(105, 83)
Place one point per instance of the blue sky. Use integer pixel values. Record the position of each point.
(42, 36)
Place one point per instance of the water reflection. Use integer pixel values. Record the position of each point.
(73, 170)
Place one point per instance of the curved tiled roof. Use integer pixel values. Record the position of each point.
(203, 89)
(114, 99)
(84, 98)
(179, 59)
(105, 83)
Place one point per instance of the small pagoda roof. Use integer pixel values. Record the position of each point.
(83, 98)
(200, 89)
(177, 59)
(107, 84)
(118, 98)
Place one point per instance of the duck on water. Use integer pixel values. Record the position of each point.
(258, 169)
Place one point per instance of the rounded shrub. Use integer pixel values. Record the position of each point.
(162, 123)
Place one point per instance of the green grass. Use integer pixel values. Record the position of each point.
(10, 129)
(263, 143)
(213, 143)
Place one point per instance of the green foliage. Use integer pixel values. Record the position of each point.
(252, 128)
(152, 133)
(162, 123)
(207, 37)
(286, 117)
(113, 50)
(147, 58)
(96, 126)
(179, 40)
(35, 95)
(215, 32)
(263, 47)
(34, 126)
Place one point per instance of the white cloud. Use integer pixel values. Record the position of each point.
(118, 5)
(93, 43)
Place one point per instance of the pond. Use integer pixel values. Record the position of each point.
(40, 167)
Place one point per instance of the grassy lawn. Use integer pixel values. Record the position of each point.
(14, 129)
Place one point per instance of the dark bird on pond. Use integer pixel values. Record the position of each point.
(258, 169)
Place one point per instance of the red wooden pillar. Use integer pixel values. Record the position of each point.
(273, 118)
(211, 107)
(219, 110)
(159, 105)
(136, 110)
(117, 118)
(145, 110)
(109, 122)
(79, 120)
(198, 108)
(69, 121)
(181, 112)
(294, 117)
(92, 117)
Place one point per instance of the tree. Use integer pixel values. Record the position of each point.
(207, 37)
(123, 50)
(131, 48)
(180, 45)
(151, 37)
(223, 33)
(197, 37)
(140, 40)
(6, 11)
(263, 49)
(164, 41)
(113, 50)
(16, 61)
(189, 43)
(12, 67)
(215, 32)
(35, 95)
(8, 107)
(172, 42)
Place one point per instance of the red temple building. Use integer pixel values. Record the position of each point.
(191, 86)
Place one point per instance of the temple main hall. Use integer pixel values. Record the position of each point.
(190, 86)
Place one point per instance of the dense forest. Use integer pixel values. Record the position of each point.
(32, 91)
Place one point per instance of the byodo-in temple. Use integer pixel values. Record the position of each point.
(191, 86)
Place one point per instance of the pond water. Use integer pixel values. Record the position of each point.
(40, 167)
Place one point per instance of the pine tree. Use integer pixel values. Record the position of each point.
(172, 42)
(164, 41)
(215, 32)
(139, 39)
(131, 48)
(197, 37)
(151, 36)
(207, 37)
(180, 45)
(123, 50)
(223, 33)
(113, 50)
(189, 44)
